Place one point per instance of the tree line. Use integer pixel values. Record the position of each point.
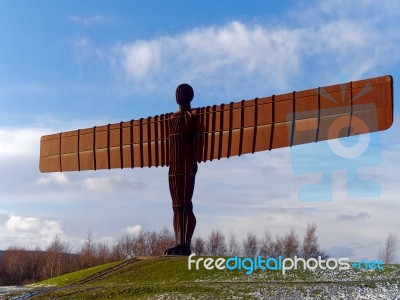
(19, 265)
(289, 245)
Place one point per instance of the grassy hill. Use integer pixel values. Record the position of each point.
(169, 278)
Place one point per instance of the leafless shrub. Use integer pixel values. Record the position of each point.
(250, 245)
(388, 254)
(216, 243)
(166, 240)
(233, 245)
(199, 246)
(290, 244)
(310, 247)
(87, 254)
(56, 258)
(267, 245)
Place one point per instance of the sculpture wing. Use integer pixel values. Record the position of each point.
(229, 129)
(136, 143)
(295, 118)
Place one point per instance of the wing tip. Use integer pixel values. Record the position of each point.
(389, 78)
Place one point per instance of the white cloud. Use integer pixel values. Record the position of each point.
(82, 47)
(241, 55)
(97, 183)
(84, 51)
(110, 183)
(53, 178)
(214, 54)
(135, 229)
(30, 231)
(88, 21)
(349, 217)
(17, 142)
(359, 8)
(26, 224)
(141, 58)
(108, 240)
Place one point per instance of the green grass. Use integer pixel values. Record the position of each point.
(169, 278)
(74, 277)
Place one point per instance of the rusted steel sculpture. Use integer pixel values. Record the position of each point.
(181, 140)
(182, 170)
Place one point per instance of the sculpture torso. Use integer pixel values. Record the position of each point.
(182, 144)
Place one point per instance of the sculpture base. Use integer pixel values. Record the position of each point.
(178, 250)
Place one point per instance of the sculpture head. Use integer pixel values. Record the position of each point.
(184, 95)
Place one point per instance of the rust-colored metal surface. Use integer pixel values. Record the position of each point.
(180, 140)
(136, 143)
(182, 171)
(227, 129)
(295, 118)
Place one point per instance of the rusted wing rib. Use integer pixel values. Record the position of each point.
(295, 118)
(136, 143)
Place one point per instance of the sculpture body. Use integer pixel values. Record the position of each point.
(181, 176)
(182, 171)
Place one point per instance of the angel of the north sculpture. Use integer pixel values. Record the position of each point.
(189, 136)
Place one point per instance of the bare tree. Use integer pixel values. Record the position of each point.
(165, 240)
(16, 264)
(278, 247)
(310, 247)
(118, 251)
(143, 244)
(125, 247)
(103, 252)
(37, 260)
(216, 243)
(56, 258)
(388, 254)
(250, 245)
(88, 252)
(233, 245)
(139, 245)
(199, 246)
(151, 242)
(267, 245)
(290, 244)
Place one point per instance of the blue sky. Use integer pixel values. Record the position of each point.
(75, 64)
